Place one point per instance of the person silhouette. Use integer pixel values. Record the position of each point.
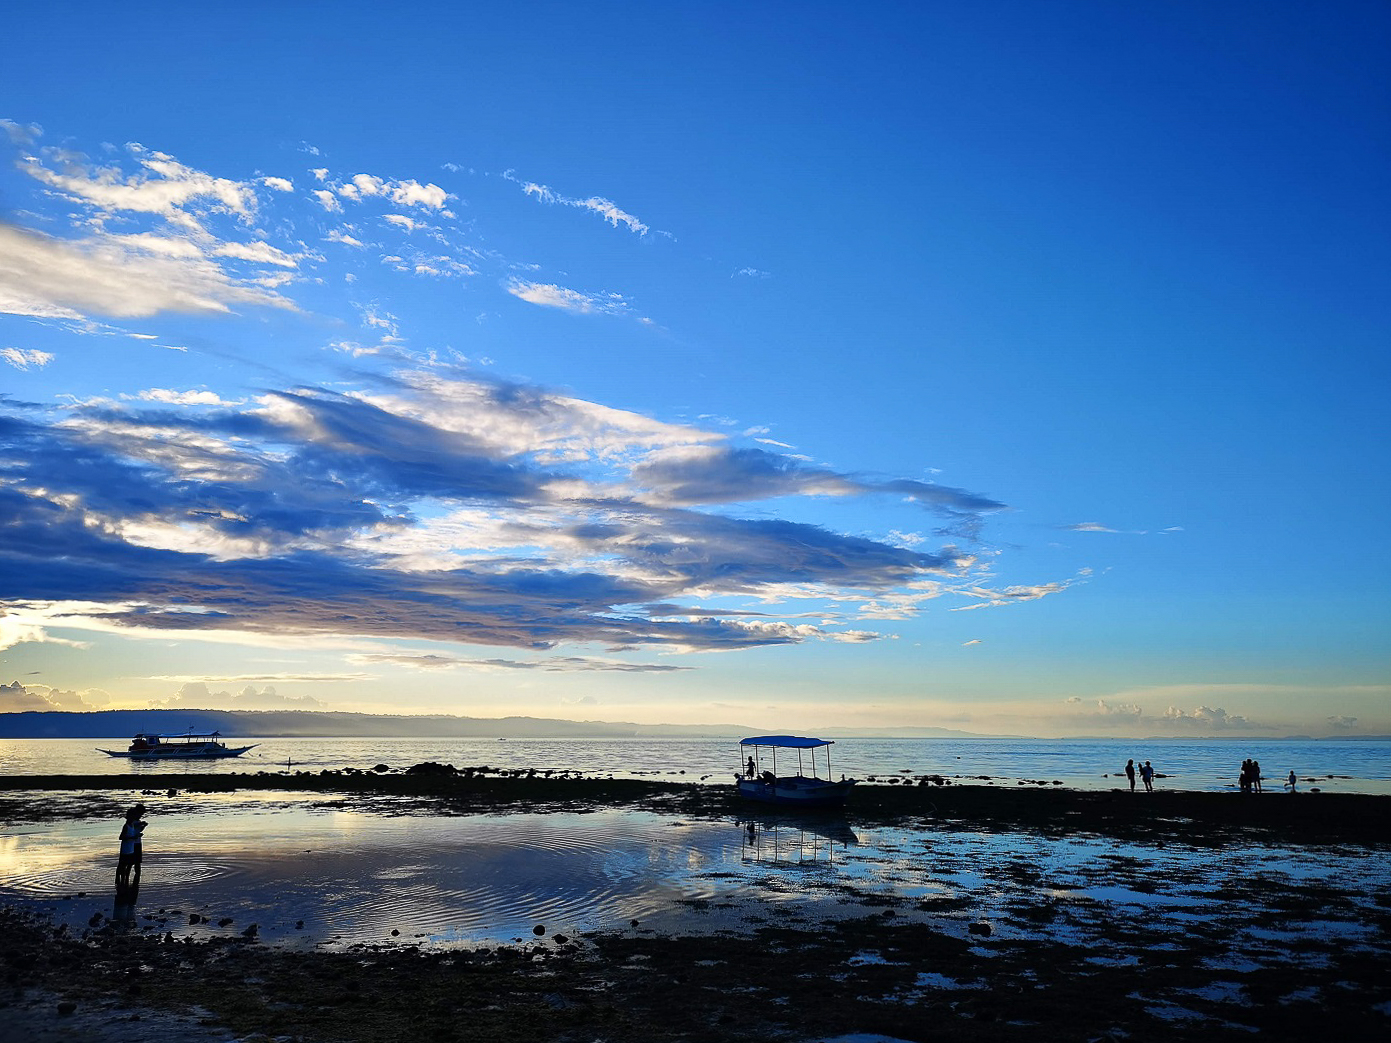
(132, 851)
(753, 769)
(1292, 781)
(1255, 775)
(1147, 775)
(1130, 773)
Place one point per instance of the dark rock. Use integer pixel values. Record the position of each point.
(66, 1008)
(251, 932)
(539, 930)
(980, 928)
(380, 767)
(226, 921)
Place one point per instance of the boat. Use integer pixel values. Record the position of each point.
(799, 790)
(191, 745)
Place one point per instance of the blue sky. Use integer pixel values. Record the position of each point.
(1007, 367)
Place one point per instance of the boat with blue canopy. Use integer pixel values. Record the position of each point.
(760, 778)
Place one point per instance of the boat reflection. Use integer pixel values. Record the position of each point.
(789, 837)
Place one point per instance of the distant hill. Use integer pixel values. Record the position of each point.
(279, 724)
(267, 724)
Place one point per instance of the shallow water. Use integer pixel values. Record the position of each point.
(1188, 764)
(313, 873)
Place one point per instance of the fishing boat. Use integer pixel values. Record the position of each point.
(800, 790)
(189, 746)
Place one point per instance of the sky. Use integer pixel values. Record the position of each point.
(1008, 367)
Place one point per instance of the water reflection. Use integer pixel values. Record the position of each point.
(772, 837)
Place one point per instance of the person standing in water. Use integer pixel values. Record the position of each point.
(1147, 776)
(128, 863)
(1130, 773)
(1292, 780)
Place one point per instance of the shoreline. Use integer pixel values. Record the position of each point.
(1193, 817)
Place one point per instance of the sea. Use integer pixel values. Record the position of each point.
(1210, 765)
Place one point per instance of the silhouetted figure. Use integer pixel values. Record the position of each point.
(1255, 774)
(753, 768)
(128, 863)
(1147, 776)
(1130, 773)
(1291, 781)
(1245, 781)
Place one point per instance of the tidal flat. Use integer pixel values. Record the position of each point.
(390, 906)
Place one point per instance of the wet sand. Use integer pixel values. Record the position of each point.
(1233, 948)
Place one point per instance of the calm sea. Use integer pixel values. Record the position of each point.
(1193, 764)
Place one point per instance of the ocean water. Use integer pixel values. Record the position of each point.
(1343, 766)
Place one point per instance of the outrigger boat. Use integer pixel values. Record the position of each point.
(800, 790)
(190, 746)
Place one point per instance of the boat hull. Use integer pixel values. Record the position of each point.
(796, 791)
(181, 755)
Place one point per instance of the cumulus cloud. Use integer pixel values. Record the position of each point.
(195, 695)
(1205, 718)
(18, 698)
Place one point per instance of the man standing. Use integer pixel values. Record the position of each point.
(1147, 775)
(1130, 773)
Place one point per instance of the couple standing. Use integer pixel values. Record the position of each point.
(1146, 775)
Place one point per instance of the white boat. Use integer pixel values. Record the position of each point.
(757, 782)
(189, 746)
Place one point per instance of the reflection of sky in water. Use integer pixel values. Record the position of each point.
(353, 874)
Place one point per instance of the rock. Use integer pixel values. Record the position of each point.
(539, 930)
(981, 927)
(251, 932)
(380, 767)
(66, 1008)
(226, 921)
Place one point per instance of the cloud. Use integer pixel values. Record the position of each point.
(106, 275)
(431, 506)
(1339, 722)
(163, 186)
(1089, 527)
(606, 209)
(18, 698)
(1205, 718)
(23, 358)
(692, 475)
(280, 184)
(559, 664)
(552, 296)
(195, 695)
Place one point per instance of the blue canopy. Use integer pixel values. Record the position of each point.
(795, 742)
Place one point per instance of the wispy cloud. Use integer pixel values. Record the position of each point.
(549, 295)
(605, 208)
(24, 358)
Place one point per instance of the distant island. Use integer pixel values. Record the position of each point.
(283, 724)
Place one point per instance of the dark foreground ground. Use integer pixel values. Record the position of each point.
(892, 971)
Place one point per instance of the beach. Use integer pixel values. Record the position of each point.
(928, 911)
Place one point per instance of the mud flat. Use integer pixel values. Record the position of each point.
(1185, 916)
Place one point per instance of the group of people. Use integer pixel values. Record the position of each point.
(1250, 780)
(1146, 775)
